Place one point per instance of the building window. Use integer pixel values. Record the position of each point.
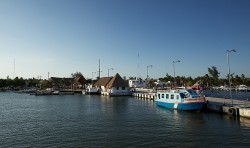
(123, 88)
(172, 96)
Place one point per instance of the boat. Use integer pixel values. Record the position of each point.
(242, 88)
(91, 90)
(180, 99)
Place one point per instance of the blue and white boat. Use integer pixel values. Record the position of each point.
(180, 99)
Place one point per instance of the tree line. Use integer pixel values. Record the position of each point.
(209, 79)
(21, 83)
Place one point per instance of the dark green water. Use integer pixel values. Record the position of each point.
(98, 121)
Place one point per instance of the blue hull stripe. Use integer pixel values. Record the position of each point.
(182, 106)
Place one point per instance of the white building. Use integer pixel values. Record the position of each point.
(162, 84)
(113, 86)
(138, 83)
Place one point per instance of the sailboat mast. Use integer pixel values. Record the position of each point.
(99, 69)
(14, 69)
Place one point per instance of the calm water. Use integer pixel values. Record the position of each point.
(226, 94)
(97, 121)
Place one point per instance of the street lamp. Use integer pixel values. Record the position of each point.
(174, 69)
(147, 70)
(110, 69)
(229, 75)
(92, 76)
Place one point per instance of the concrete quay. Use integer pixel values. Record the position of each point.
(224, 106)
(227, 106)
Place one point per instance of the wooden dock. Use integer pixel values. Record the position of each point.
(220, 105)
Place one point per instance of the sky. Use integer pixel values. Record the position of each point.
(61, 37)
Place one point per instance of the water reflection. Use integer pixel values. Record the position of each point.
(92, 121)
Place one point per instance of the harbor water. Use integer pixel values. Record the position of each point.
(102, 121)
(226, 94)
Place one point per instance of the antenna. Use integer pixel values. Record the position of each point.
(99, 71)
(139, 75)
(14, 69)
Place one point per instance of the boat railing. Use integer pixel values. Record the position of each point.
(195, 99)
(163, 91)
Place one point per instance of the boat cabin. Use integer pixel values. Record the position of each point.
(171, 97)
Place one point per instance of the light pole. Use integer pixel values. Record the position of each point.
(109, 70)
(174, 69)
(229, 75)
(147, 70)
(92, 76)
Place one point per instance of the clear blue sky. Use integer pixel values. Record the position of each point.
(65, 36)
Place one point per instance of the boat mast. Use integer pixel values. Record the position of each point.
(139, 75)
(99, 71)
(14, 69)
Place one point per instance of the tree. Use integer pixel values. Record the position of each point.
(46, 84)
(237, 80)
(62, 82)
(243, 78)
(2, 83)
(76, 74)
(214, 74)
(190, 81)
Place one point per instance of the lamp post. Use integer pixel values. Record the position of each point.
(174, 69)
(229, 75)
(92, 76)
(147, 70)
(109, 70)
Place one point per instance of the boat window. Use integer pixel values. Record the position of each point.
(159, 96)
(162, 95)
(182, 95)
(167, 96)
(123, 88)
(117, 88)
(172, 96)
(192, 92)
(177, 97)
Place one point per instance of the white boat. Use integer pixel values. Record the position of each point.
(91, 90)
(180, 99)
(242, 88)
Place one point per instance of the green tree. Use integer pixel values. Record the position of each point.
(190, 81)
(243, 78)
(76, 74)
(46, 84)
(62, 82)
(214, 74)
(2, 83)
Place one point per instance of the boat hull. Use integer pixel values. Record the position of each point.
(182, 106)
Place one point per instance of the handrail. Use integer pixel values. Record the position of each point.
(195, 99)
